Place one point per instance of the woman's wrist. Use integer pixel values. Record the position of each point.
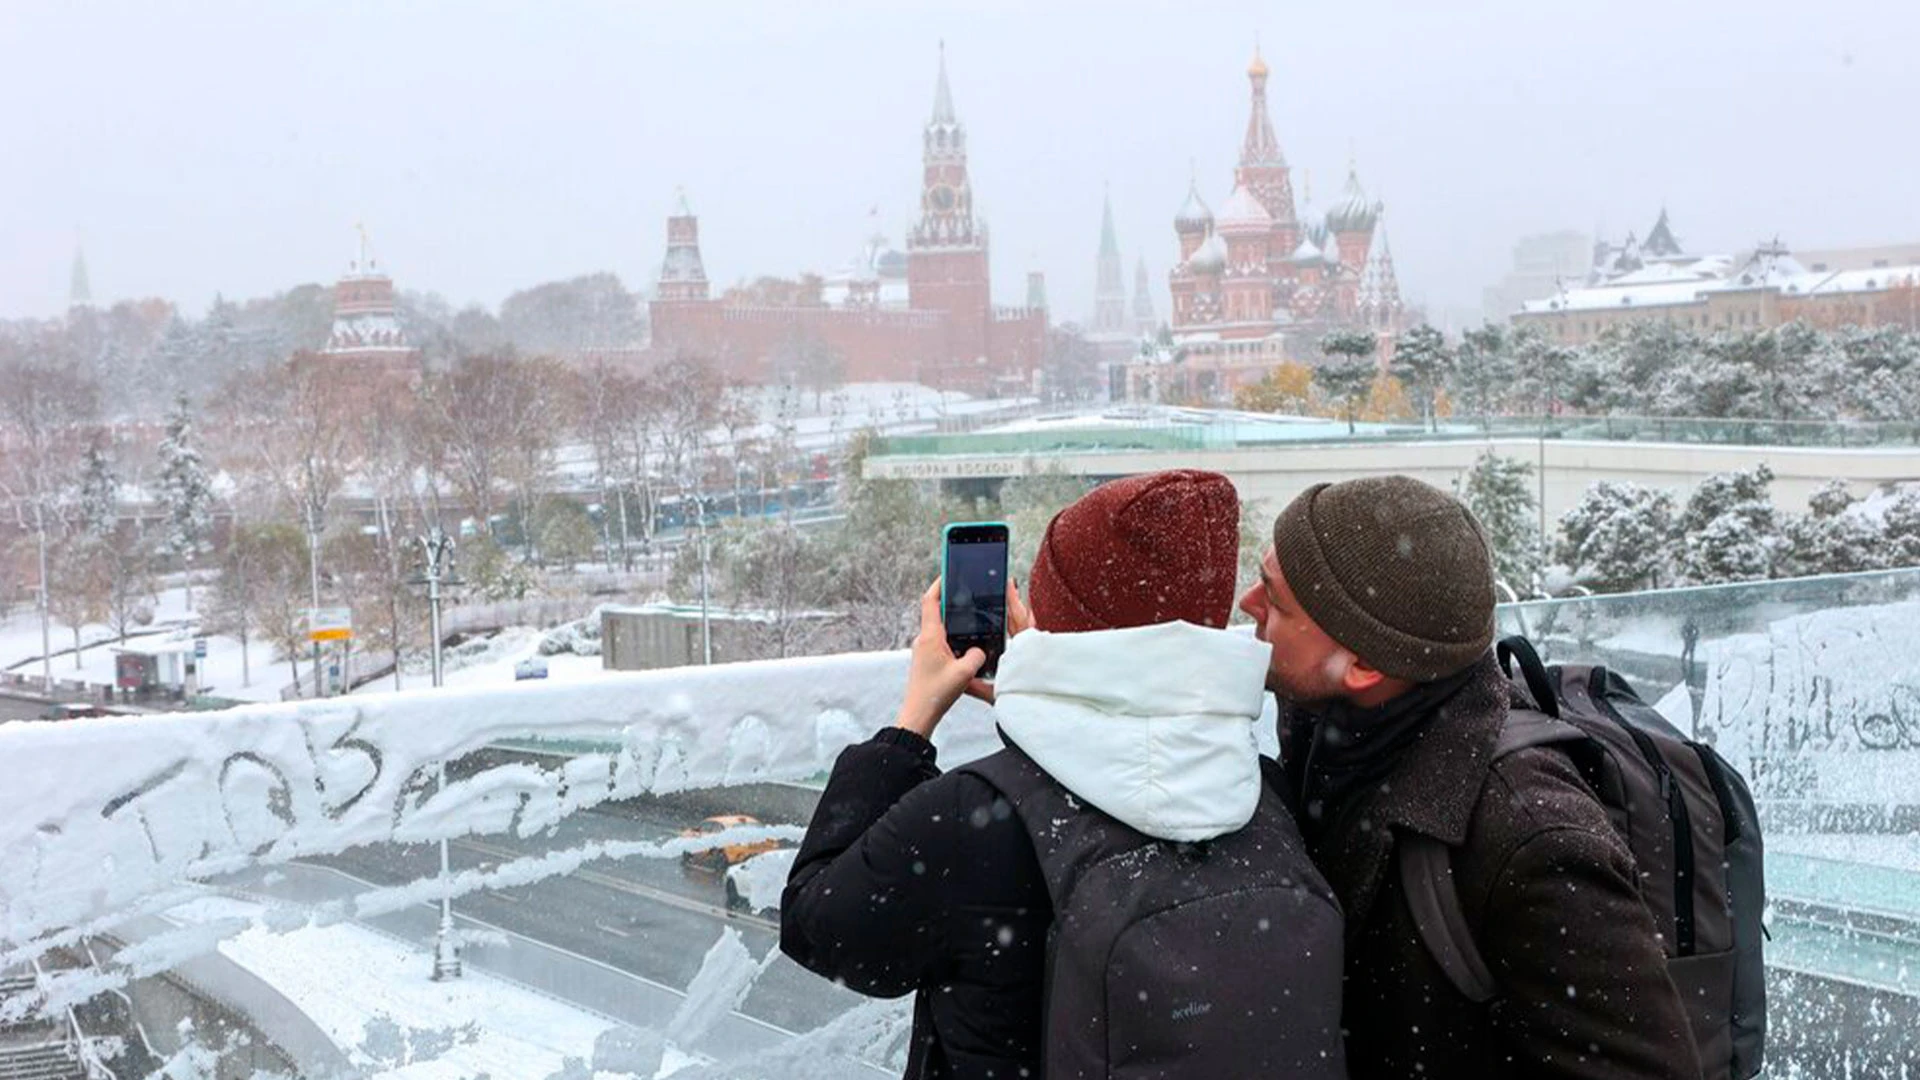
(917, 720)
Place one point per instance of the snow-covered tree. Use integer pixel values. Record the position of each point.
(1796, 371)
(1287, 388)
(1500, 492)
(1349, 370)
(1481, 372)
(591, 311)
(82, 580)
(774, 569)
(263, 587)
(130, 589)
(169, 366)
(1900, 526)
(883, 552)
(1832, 538)
(1421, 360)
(1027, 505)
(1615, 539)
(1728, 530)
(1878, 376)
(186, 493)
(99, 494)
(219, 339)
(1545, 370)
(1628, 369)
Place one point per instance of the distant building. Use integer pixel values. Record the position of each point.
(79, 286)
(1264, 281)
(1109, 329)
(1036, 290)
(1879, 257)
(647, 637)
(1110, 291)
(1657, 280)
(875, 278)
(926, 316)
(1543, 264)
(1144, 320)
(366, 335)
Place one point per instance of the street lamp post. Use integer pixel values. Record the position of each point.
(437, 549)
(313, 583)
(706, 625)
(46, 629)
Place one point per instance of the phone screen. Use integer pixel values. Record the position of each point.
(975, 606)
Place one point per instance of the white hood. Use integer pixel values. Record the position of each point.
(1153, 725)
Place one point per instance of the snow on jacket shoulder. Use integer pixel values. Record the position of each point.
(1152, 724)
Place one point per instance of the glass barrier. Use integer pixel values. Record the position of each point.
(272, 890)
(1811, 687)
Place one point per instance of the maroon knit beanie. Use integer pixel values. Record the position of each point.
(1143, 550)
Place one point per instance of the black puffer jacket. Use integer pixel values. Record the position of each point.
(889, 919)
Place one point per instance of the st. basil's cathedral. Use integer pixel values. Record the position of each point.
(1265, 279)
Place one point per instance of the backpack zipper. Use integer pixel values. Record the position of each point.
(1683, 915)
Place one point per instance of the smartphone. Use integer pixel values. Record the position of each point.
(973, 589)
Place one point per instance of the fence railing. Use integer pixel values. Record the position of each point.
(1142, 429)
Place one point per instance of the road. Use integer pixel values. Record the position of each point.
(15, 708)
(646, 917)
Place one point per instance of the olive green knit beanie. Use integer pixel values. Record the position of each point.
(1395, 570)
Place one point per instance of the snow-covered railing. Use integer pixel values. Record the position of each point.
(115, 819)
(102, 814)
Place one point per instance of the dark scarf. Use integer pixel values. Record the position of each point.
(1336, 750)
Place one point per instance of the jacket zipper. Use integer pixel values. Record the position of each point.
(1683, 915)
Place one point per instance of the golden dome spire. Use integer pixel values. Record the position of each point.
(1257, 69)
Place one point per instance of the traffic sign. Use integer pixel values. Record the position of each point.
(329, 624)
(200, 648)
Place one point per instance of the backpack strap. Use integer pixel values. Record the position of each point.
(1533, 672)
(1426, 875)
(1054, 820)
(1426, 866)
(1528, 728)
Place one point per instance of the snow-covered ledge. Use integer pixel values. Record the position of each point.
(99, 817)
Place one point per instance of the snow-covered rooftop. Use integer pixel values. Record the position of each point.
(1243, 211)
(1660, 286)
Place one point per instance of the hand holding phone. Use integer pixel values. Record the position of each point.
(973, 600)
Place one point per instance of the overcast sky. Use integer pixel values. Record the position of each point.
(197, 148)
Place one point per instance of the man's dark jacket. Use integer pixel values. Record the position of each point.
(1548, 889)
(887, 922)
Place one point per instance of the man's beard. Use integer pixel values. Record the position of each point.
(1286, 693)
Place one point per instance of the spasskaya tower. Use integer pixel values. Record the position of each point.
(945, 332)
(947, 250)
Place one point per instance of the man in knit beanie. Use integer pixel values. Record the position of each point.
(1125, 689)
(1377, 603)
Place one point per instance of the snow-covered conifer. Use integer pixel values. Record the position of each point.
(1728, 530)
(1499, 491)
(1616, 538)
(186, 492)
(1832, 538)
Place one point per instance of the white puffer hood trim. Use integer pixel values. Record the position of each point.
(1152, 724)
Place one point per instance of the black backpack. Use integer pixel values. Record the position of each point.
(1179, 961)
(1690, 823)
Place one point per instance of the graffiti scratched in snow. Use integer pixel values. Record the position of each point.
(1822, 705)
(105, 812)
